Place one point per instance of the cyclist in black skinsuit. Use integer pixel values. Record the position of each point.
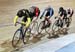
(62, 14)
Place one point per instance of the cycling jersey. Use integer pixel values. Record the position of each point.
(23, 13)
(70, 12)
(48, 12)
(63, 13)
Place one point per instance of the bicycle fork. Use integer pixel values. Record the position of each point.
(22, 34)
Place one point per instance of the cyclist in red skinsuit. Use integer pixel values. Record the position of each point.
(37, 11)
(34, 13)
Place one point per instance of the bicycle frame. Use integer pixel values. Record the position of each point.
(22, 30)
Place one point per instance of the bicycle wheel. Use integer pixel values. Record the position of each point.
(40, 27)
(16, 38)
(55, 26)
(48, 29)
(34, 27)
(55, 29)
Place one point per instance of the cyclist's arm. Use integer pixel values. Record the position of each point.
(28, 22)
(42, 14)
(59, 14)
(15, 19)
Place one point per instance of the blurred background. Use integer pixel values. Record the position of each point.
(9, 8)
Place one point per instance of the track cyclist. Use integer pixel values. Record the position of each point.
(26, 19)
(48, 12)
(62, 15)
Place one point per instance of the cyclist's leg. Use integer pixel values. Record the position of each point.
(26, 33)
(34, 26)
(61, 23)
(68, 22)
(23, 28)
(50, 14)
(66, 19)
(28, 23)
(23, 32)
(48, 22)
(47, 19)
(43, 24)
(34, 18)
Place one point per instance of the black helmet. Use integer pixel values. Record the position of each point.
(61, 9)
(20, 13)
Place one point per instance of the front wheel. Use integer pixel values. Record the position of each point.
(34, 27)
(16, 38)
(48, 29)
(55, 26)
